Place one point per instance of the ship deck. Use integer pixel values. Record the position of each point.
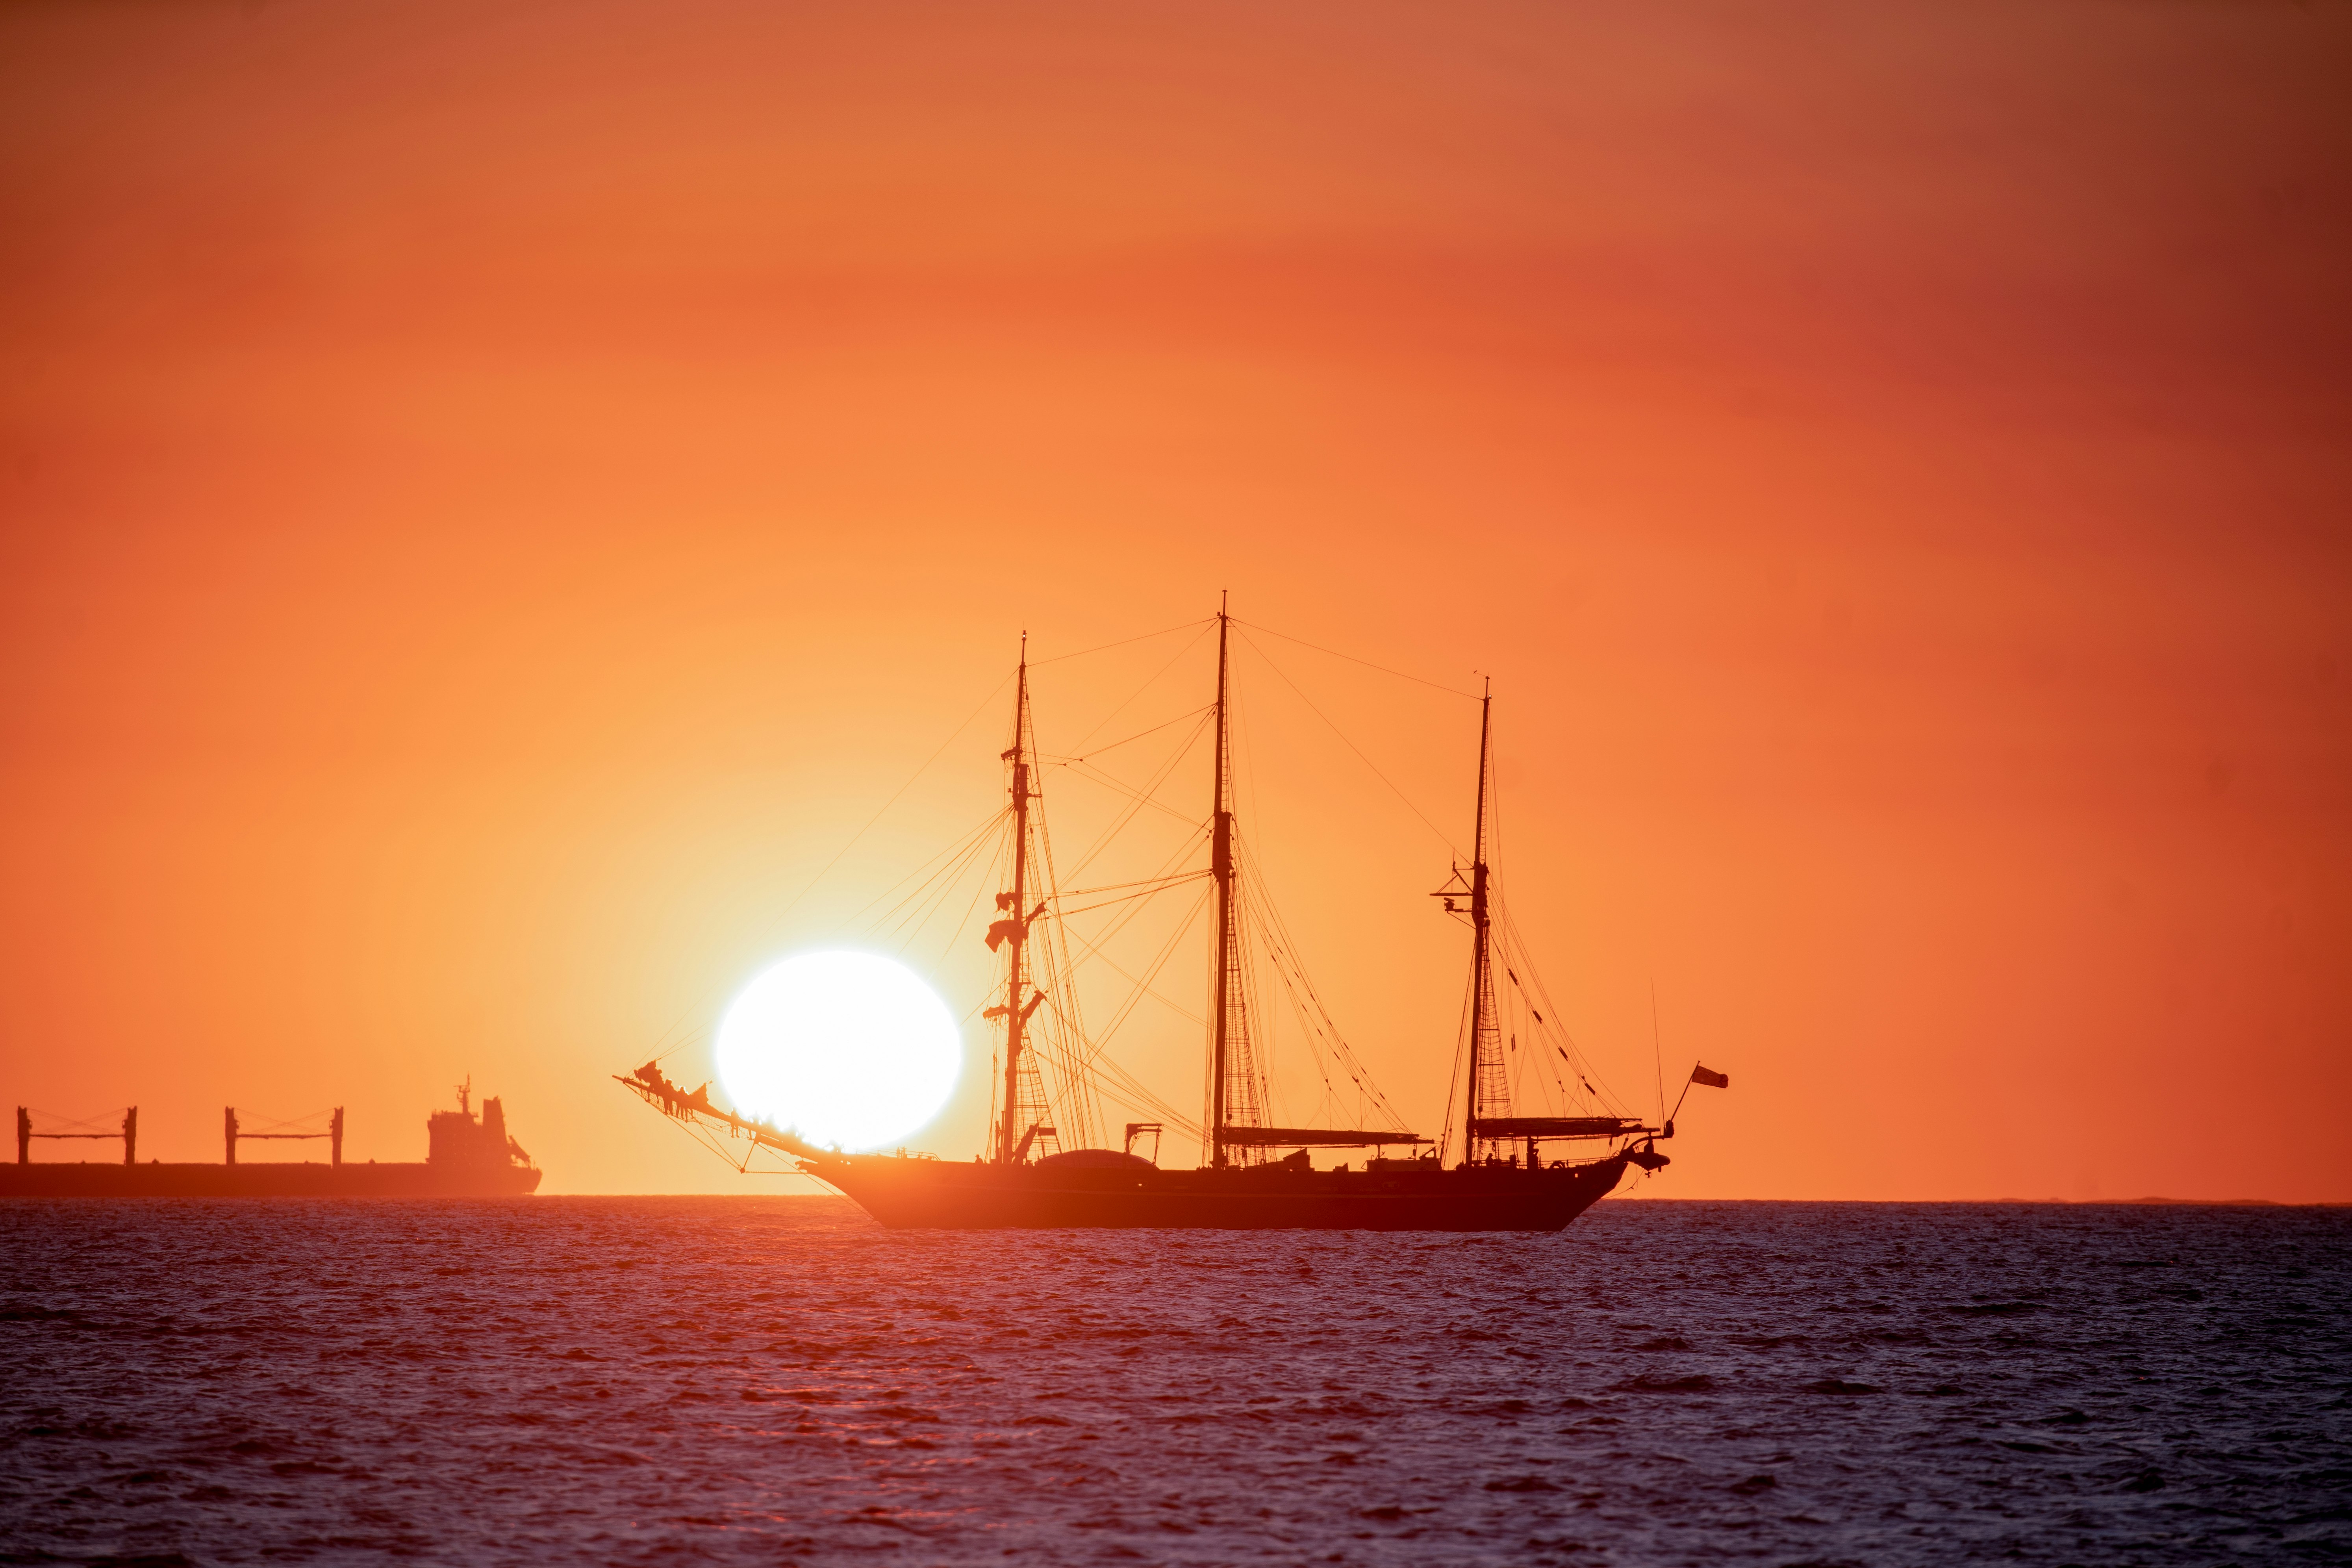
(266, 1179)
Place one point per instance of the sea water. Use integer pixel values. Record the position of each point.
(779, 1380)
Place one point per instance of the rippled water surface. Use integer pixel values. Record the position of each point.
(778, 1380)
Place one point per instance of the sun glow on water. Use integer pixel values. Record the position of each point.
(848, 1049)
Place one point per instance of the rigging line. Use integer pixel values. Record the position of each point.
(1134, 910)
(956, 931)
(1115, 745)
(910, 930)
(1143, 985)
(1127, 974)
(808, 886)
(1333, 1048)
(1456, 1080)
(1352, 745)
(1516, 1010)
(1140, 690)
(1657, 1048)
(1518, 956)
(1097, 947)
(1325, 1056)
(1259, 1036)
(1541, 1032)
(1074, 1100)
(709, 1141)
(1099, 647)
(1127, 1088)
(1514, 943)
(979, 887)
(1094, 776)
(1133, 1094)
(1499, 853)
(1283, 948)
(1130, 897)
(1240, 751)
(949, 875)
(1080, 1094)
(1133, 1098)
(1134, 906)
(937, 888)
(1130, 1087)
(1588, 1074)
(1116, 887)
(1518, 1000)
(1517, 1061)
(1146, 797)
(955, 847)
(934, 892)
(1176, 1120)
(1109, 781)
(1351, 659)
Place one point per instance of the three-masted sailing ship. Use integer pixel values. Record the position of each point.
(1506, 1171)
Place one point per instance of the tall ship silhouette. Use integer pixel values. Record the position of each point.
(1497, 1164)
(469, 1154)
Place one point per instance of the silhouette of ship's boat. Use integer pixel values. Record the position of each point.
(468, 1154)
(1510, 1172)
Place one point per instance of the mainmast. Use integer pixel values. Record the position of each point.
(1489, 1087)
(1234, 1097)
(1221, 868)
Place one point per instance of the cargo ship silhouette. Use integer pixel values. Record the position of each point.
(468, 1154)
(1515, 1166)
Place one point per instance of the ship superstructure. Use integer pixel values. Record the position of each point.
(469, 1154)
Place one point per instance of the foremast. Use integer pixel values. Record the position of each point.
(1024, 1118)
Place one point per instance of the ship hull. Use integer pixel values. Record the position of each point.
(276, 1179)
(931, 1195)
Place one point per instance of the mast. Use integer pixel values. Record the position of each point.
(1009, 1134)
(1488, 1082)
(1221, 868)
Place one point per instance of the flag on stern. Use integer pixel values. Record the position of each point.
(1712, 1079)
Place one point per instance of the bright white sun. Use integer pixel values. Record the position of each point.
(848, 1049)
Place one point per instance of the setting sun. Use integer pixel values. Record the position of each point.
(848, 1049)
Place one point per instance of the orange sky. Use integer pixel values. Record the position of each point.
(495, 496)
